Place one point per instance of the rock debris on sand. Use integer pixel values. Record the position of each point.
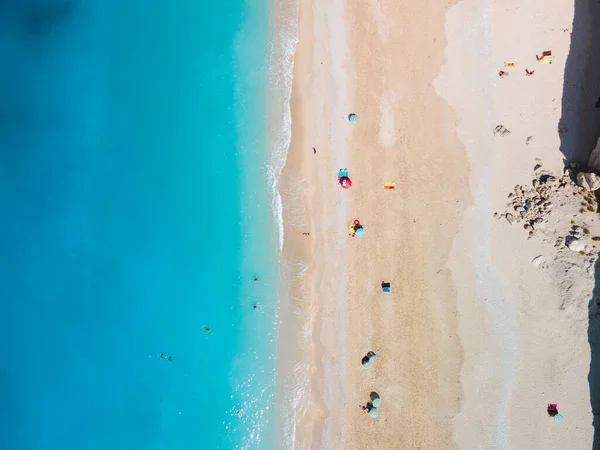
(563, 214)
(501, 131)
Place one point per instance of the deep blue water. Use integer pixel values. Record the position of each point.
(122, 234)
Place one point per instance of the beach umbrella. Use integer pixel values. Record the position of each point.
(353, 118)
(376, 402)
(345, 182)
(360, 232)
(367, 364)
(558, 418)
(373, 413)
(372, 359)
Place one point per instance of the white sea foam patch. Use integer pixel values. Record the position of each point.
(283, 48)
(295, 386)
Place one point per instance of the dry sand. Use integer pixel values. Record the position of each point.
(473, 340)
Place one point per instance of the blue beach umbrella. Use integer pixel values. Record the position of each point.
(360, 232)
(374, 413)
(558, 418)
(372, 359)
(353, 118)
(376, 402)
(367, 364)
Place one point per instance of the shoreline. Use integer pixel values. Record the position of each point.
(320, 104)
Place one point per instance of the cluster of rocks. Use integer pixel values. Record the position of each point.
(588, 181)
(532, 204)
(501, 130)
(557, 209)
(574, 239)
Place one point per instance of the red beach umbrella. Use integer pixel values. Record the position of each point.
(345, 182)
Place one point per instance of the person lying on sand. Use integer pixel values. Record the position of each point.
(502, 73)
(529, 72)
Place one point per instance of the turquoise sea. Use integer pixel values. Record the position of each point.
(136, 212)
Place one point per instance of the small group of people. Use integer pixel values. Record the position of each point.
(169, 358)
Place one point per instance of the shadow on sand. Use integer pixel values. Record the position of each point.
(594, 340)
(579, 125)
(579, 128)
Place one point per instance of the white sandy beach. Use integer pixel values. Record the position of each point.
(474, 340)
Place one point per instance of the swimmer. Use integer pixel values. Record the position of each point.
(162, 356)
(170, 358)
(207, 330)
(240, 412)
(255, 306)
(256, 279)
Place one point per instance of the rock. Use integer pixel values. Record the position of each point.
(501, 131)
(538, 260)
(528, 141)
(495, 215)
(594, 160)
(509, 218)
(519, 209)
(538, 221)
(576, 245)
(588, 181)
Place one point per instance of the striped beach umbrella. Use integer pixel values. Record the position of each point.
(353, 118)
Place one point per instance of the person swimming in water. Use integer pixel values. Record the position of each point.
(170, 358)
(162, 356)
(256, 279)
(207, 330)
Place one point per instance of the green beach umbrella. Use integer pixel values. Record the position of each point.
(376, 402)
(558, 418)
(374, 413)
(353, 118)
(372, 359)
(367, 364)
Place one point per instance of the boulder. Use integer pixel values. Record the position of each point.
(500, 130)
(588, 181)
(538, 260)
(576, 245)
(594, 161)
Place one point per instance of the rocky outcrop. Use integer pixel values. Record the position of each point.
(588, 181)
(594, 161)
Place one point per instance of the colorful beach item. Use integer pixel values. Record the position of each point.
(353, 118)
(369, 359)
(546, 57)
(373, 412)
(376, 402)
(344, 179)
(389, 185)
(558, 418)
(386, 287)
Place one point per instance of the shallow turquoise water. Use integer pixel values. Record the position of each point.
(126, 195)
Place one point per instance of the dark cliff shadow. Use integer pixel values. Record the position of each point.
(594, 341)
(579, 125)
